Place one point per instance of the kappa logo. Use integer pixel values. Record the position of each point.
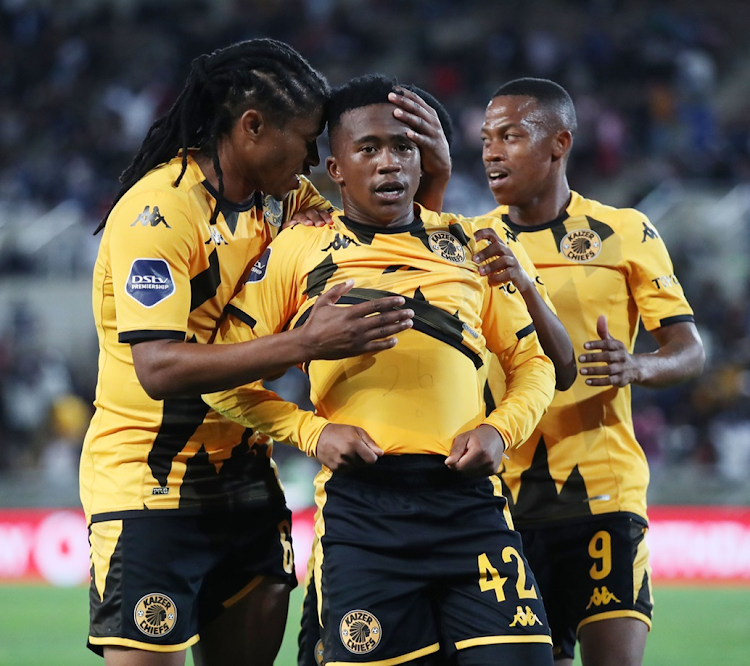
(150, 281)
(215, 237)
(581, 245)
(150, 218)
(273, 210)
(340, 242)
(649, 232)
(601, 598)
(360, 631)
(258, 271)
(525, 617)
(155, 614)
(447, 246)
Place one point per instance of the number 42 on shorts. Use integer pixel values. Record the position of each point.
(490, 578)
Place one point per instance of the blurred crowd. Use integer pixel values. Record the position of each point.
(660, 88)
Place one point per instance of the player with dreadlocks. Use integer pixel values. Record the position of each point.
(189, 531)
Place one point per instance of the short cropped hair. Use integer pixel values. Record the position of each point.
(550, 96)
(374, 89)
(355, 94)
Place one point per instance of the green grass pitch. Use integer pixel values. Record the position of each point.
(692, 626)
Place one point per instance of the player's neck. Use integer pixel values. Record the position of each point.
(236, 190)
(543, 209)
(369, 218)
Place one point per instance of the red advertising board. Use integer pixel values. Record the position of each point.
(688, 544)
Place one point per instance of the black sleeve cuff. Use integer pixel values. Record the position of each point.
(131, 337)
(525, 331)
(677, 319)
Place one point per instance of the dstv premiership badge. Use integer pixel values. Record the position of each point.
(581, 245)
(273, 210)
(447, 246)
(360, 631)
(155, 614)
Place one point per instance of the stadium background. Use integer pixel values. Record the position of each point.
(663, 97)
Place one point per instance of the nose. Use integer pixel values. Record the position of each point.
(388, 162)
(492, 151)
(313, 157)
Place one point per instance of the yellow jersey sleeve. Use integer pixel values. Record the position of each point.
(530, 375)
(651, 278)
(154, 240)
(264, 306)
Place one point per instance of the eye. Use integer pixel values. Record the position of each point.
(367, 149)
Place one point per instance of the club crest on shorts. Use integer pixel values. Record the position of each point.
(155, 614)
(273, 210)
(359, 631)
(319, 653)
(581, 245)
(447, 246)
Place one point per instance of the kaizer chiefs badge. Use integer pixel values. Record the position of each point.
(273, 210)
(155, 614)
(360, 631)
(319, 653)
(447, 246)
(581, 245)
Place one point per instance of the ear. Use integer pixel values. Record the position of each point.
(251, 123)
(561, 143)
(332, 167)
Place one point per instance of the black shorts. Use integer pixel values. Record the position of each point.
(416, 557)
(156, 580)
(588, 570)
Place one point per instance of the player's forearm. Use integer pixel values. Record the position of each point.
(680, 357)
(553, 337)
(530, 387)
(432, 189)
(171, 369)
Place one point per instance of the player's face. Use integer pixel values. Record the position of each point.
(517, 150)
(376, 165)
(283, 152)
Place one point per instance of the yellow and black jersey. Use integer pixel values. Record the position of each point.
(584, 458)
(496, 382)
(419, 395)
(164, 272)
(508, 237)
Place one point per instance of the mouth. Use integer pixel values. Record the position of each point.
(391, 190)
(496, 176)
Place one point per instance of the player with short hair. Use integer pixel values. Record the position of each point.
(189, 531)
(577, 488)
(414, 548)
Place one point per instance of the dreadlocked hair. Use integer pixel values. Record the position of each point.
(264, 74)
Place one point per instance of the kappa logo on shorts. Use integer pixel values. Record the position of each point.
(155, 614)
(525, 617)
(273, 210)
(447, 246)
(602, 598)
(581, 245)
(319, 653)
(150, 281)
(360, 631)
